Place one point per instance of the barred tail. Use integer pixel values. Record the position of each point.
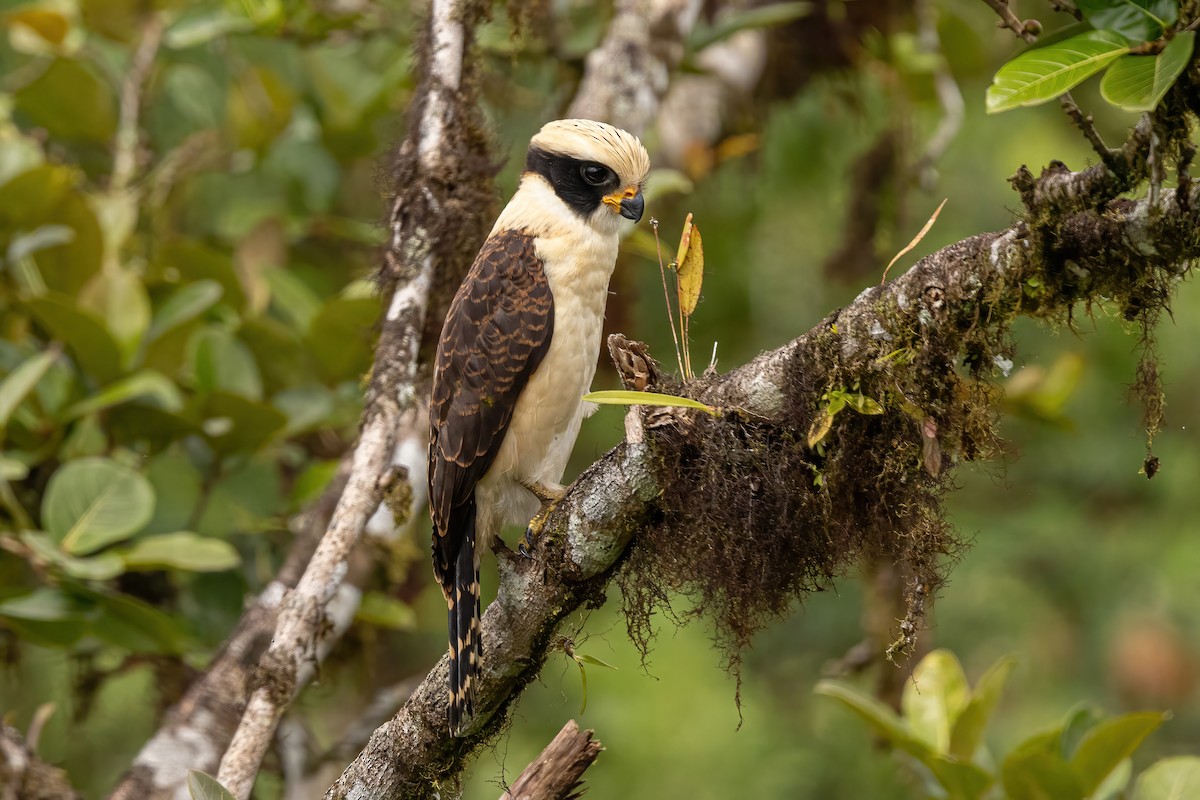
(463, 620)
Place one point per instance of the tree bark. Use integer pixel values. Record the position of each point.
(557, 773)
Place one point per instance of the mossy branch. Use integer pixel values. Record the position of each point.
(953, 307)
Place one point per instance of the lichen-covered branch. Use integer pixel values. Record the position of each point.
(439, 161)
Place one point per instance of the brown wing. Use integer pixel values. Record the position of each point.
(495, 335)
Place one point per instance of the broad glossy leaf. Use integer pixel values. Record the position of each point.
(133, 624)
(1138, 20)
(1078, 722)
(1175, 778)
(624, 397)
(202, 786)
(71, 101)
(247, 500)
(237, 424)
(1031, 775)
(1042, 74)
(184, 551)
(146, 386)
(178, 486)
(119, 298)
(225, 364)
(85, 336)
(44, 604)
(341, 335)
(879, 716)
(934, 697)
(1138, 83)
(969, 728)
(94, 502)
(1109, 743)
(185, 305)
(307, 408)
(20, 382)
(99, 567)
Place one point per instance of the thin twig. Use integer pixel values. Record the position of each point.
(125, 144)
(667, 295)
(1009, 20)
(1085, 123)
(1067, 7)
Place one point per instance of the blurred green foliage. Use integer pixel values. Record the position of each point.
(190, 346)
(941, 732)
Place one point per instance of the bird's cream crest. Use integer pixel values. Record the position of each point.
(596, 141)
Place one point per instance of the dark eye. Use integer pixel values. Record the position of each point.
(595, 174)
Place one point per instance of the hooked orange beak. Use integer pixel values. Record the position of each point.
(628, 202)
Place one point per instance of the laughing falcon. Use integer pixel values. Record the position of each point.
(517, 353)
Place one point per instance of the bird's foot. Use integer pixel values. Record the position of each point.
(549, 495)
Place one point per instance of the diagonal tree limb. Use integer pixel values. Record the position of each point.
(436, 162)
(946, 294)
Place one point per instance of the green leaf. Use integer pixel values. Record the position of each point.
(879, 716)
(1034, 775)
(768, 16)
(307, 408)
(1109, 743)
(71, 102)
(20, 382)
(93, 568)
(182, 307)
(94, 502)
(119, 299)
(622, 397)
(1036, 76)
(1138, 83)
(89, 341)
(202, 786)
(44, 604)
(146, 386)
(1079, 721)
(969, 728)
(340, 337)
(934, 697)
(962, 781)
(1113, 787)
(133, 624)
(1175, 778)
(223, 363)
(184, 551)
(1138, 20)
(236, 424)
(594, 661)
(821, 425)
(863, 404)
(384, 611)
